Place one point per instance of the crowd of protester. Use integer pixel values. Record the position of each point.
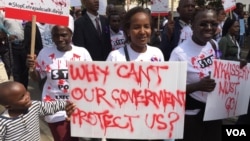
(121, 35)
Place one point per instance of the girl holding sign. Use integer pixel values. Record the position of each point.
(137, 27)
(199, 54)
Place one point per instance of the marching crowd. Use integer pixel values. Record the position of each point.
(197, 33)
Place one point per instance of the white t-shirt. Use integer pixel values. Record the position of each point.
(152, 54)
(199, 60)
(186, 33)
(117, 39)
(52, 64)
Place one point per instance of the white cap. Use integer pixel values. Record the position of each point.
(71, 23)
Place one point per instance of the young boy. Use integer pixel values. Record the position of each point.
(20, 120)
(117, 36)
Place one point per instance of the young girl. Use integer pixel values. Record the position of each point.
(199, 55)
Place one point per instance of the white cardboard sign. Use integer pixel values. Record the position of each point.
(46, 11)
(231, 95)
(135, 100)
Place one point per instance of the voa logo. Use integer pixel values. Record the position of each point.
(236, 132)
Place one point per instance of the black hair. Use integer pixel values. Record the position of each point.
(227, 24)
(147, 9)
(238, 9)
(219, 9)
(200, 10)
(55, 28)
(126, 21)
(113, 13)
(238, 5)
(181, 3)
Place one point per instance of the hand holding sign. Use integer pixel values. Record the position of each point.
(70, 107)
(243, 63)
(206, 84)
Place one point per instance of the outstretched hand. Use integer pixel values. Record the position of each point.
(70, 107)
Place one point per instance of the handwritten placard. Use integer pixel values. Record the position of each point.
(46, 11)
(229, 5)
(231, 95)
(2, 4)
(136, 100)
(159, 7)
(102, 7)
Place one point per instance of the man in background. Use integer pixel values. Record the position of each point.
(92, 31)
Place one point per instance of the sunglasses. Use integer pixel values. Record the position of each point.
(209, 24)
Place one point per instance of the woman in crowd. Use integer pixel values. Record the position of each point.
(228, 44)
(231, 51)
(199, 54)
(221, 19)
(52, 63)
(137, 27)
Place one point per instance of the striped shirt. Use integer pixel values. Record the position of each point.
(26, 126)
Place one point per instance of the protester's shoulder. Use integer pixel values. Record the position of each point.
(46, 50)
(116, 55)
(78, 48)
(153, 48)
(117, 52)
(180, 48)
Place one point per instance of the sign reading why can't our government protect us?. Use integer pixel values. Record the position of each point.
(136, 100)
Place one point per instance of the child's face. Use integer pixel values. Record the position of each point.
(18, 98)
